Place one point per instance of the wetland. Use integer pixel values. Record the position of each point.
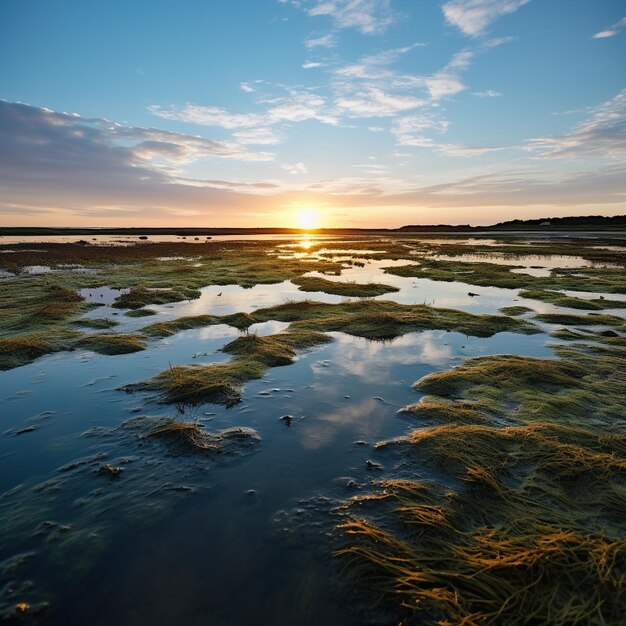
(375, 430)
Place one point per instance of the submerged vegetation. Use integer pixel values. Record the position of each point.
(536, 452)
(191, 436)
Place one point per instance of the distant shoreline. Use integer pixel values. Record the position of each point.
(586, 223)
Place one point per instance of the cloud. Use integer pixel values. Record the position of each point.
(374, 102)
(59, 168)
(311, 65)
(370, 17)
(409, 130)
(603, 134)
(208, 116)
(297, 168)
(257, 136)
(296, 106)
(414, 130)
(370, 88)
(489, 93)
(473, 17)
(612, 31)
(245, 87)
(326, 41)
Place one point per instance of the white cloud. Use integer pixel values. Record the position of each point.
(602, 135)
(373, 102)
(299, 107)
(473, 17)
(245, 87)
(208, 116)
(612, 31)
(311, 65)
(326, 41)
(410, 130)
(297, 168)
(256, 136)
(367, 16)
(488, 93)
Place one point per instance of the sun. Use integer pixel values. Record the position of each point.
(308, 219)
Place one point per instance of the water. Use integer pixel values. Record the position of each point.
(233, 539)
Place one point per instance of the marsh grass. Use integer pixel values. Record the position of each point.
(571, 302)
(221, 383)
(140, 312)
(140, 296)
(515, 310)
(342, 288)
(20, 350)
(112, 343)
(380, 319)
(529, 525)
(166, 329)
(190, 436)
(609, 280)
(570, 319)
(95, 322)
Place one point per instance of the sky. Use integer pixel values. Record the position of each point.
(329, 113)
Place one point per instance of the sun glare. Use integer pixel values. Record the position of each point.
(308, 219)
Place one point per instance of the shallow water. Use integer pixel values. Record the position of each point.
(236, 539)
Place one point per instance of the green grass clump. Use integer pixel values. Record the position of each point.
(515, 310)
(342, 288)
(568, 319)
(274, 350)
(221, 383)
(166, 329)
(610, 280)
(22, 349)
(571, 302)
(95, 322)
(242, 321)
(380, 319)
(140, 312)
(111, 343)
(141, 296)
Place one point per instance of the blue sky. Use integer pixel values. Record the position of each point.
(368, 112)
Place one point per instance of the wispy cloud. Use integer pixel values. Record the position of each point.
(367, 16)
(296, 106)
(603, 134)
(206, 115)
(489, 93)
(612, 31)
(257, 136)
(296, 168)
(312, 65)
(325, 41)
(473, 17)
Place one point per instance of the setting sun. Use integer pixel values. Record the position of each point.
(308, 219)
